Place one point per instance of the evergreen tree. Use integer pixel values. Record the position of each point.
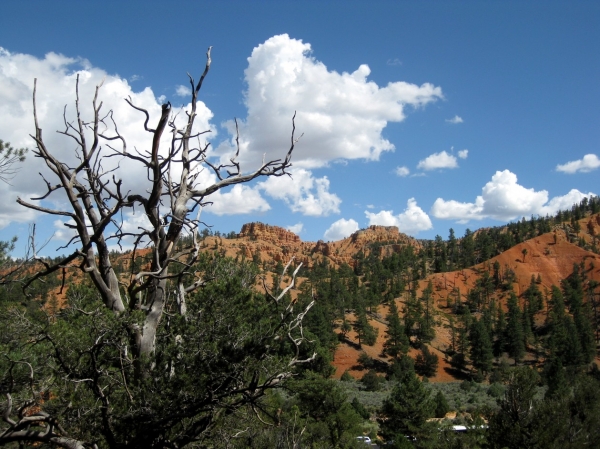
(513, 424)
(360, 409)
(500, 332)
(452, 250)
(371, 381)
(367, 334)
(533, 297)
(440, 261)
(426, 332)
(481, 347)
(557, 341)
(526, 318)
(400, 367)
(413, 312)
(441, 405)
(583, 323)
(582, 313)
(396, 342)
(406, 411)
(496, 276)
(467, 250)
(463, 332)
(572, 288)
(563, 340)
(515, 337)
(555, 377)
(569, 419)
(328, 414)
(426, 362)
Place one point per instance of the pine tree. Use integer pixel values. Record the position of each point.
(563, 341)
(440, 261)
(396, 342)
(512, 425)
(426, 333)
(441, 405)
(515, 337)
(496, 276)
(413, 312)
(500, 333)
(555, 377)
(328, 413)
(371, 381)
(583, 323)
(426, 362)
(367, 334)
(582, 314)
(406, 411)
(533, 297)
(452, 250)
(572, 288)
(481, 347)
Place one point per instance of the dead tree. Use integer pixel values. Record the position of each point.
(97, 201)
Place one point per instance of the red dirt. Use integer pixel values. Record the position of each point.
(551, 256)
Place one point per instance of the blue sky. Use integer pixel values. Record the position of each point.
(425, 115)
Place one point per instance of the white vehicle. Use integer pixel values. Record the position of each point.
(364, 439)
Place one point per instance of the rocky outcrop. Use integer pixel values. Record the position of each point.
(376, 234)
(272, 243)
(267, 233)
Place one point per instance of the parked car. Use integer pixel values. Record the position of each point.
(364, 439)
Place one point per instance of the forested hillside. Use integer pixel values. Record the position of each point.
(510, 315)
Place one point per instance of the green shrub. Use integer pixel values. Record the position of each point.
(371, 381)
(346, 377)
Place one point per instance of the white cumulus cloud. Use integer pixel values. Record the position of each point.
(402, 171)
(438, 161)
(56, 79)
(503, 198)
(240, 199)
(588, 163)
(183, 91)
(296, 229)
(411, 221)
(342, 115)
(340, 229)
(454, 120)
(463, 154)
(303, 193)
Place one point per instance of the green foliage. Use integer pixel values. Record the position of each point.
(228, 350)
(330, 419)
(400, 368)
(567, 418)
(360, 409)
(514, 422)
(396, 342)
(481, 347)
(366, 361)
(426, 363)
(231, 336)
(571, 419)
(441, 405)
(495, 390)
(9, 157)
(367, 334)
(407, 410)
(346, 377)
(371, 381)
(515, 337)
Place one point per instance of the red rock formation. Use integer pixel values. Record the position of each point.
(267, 233)
(272, 243)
